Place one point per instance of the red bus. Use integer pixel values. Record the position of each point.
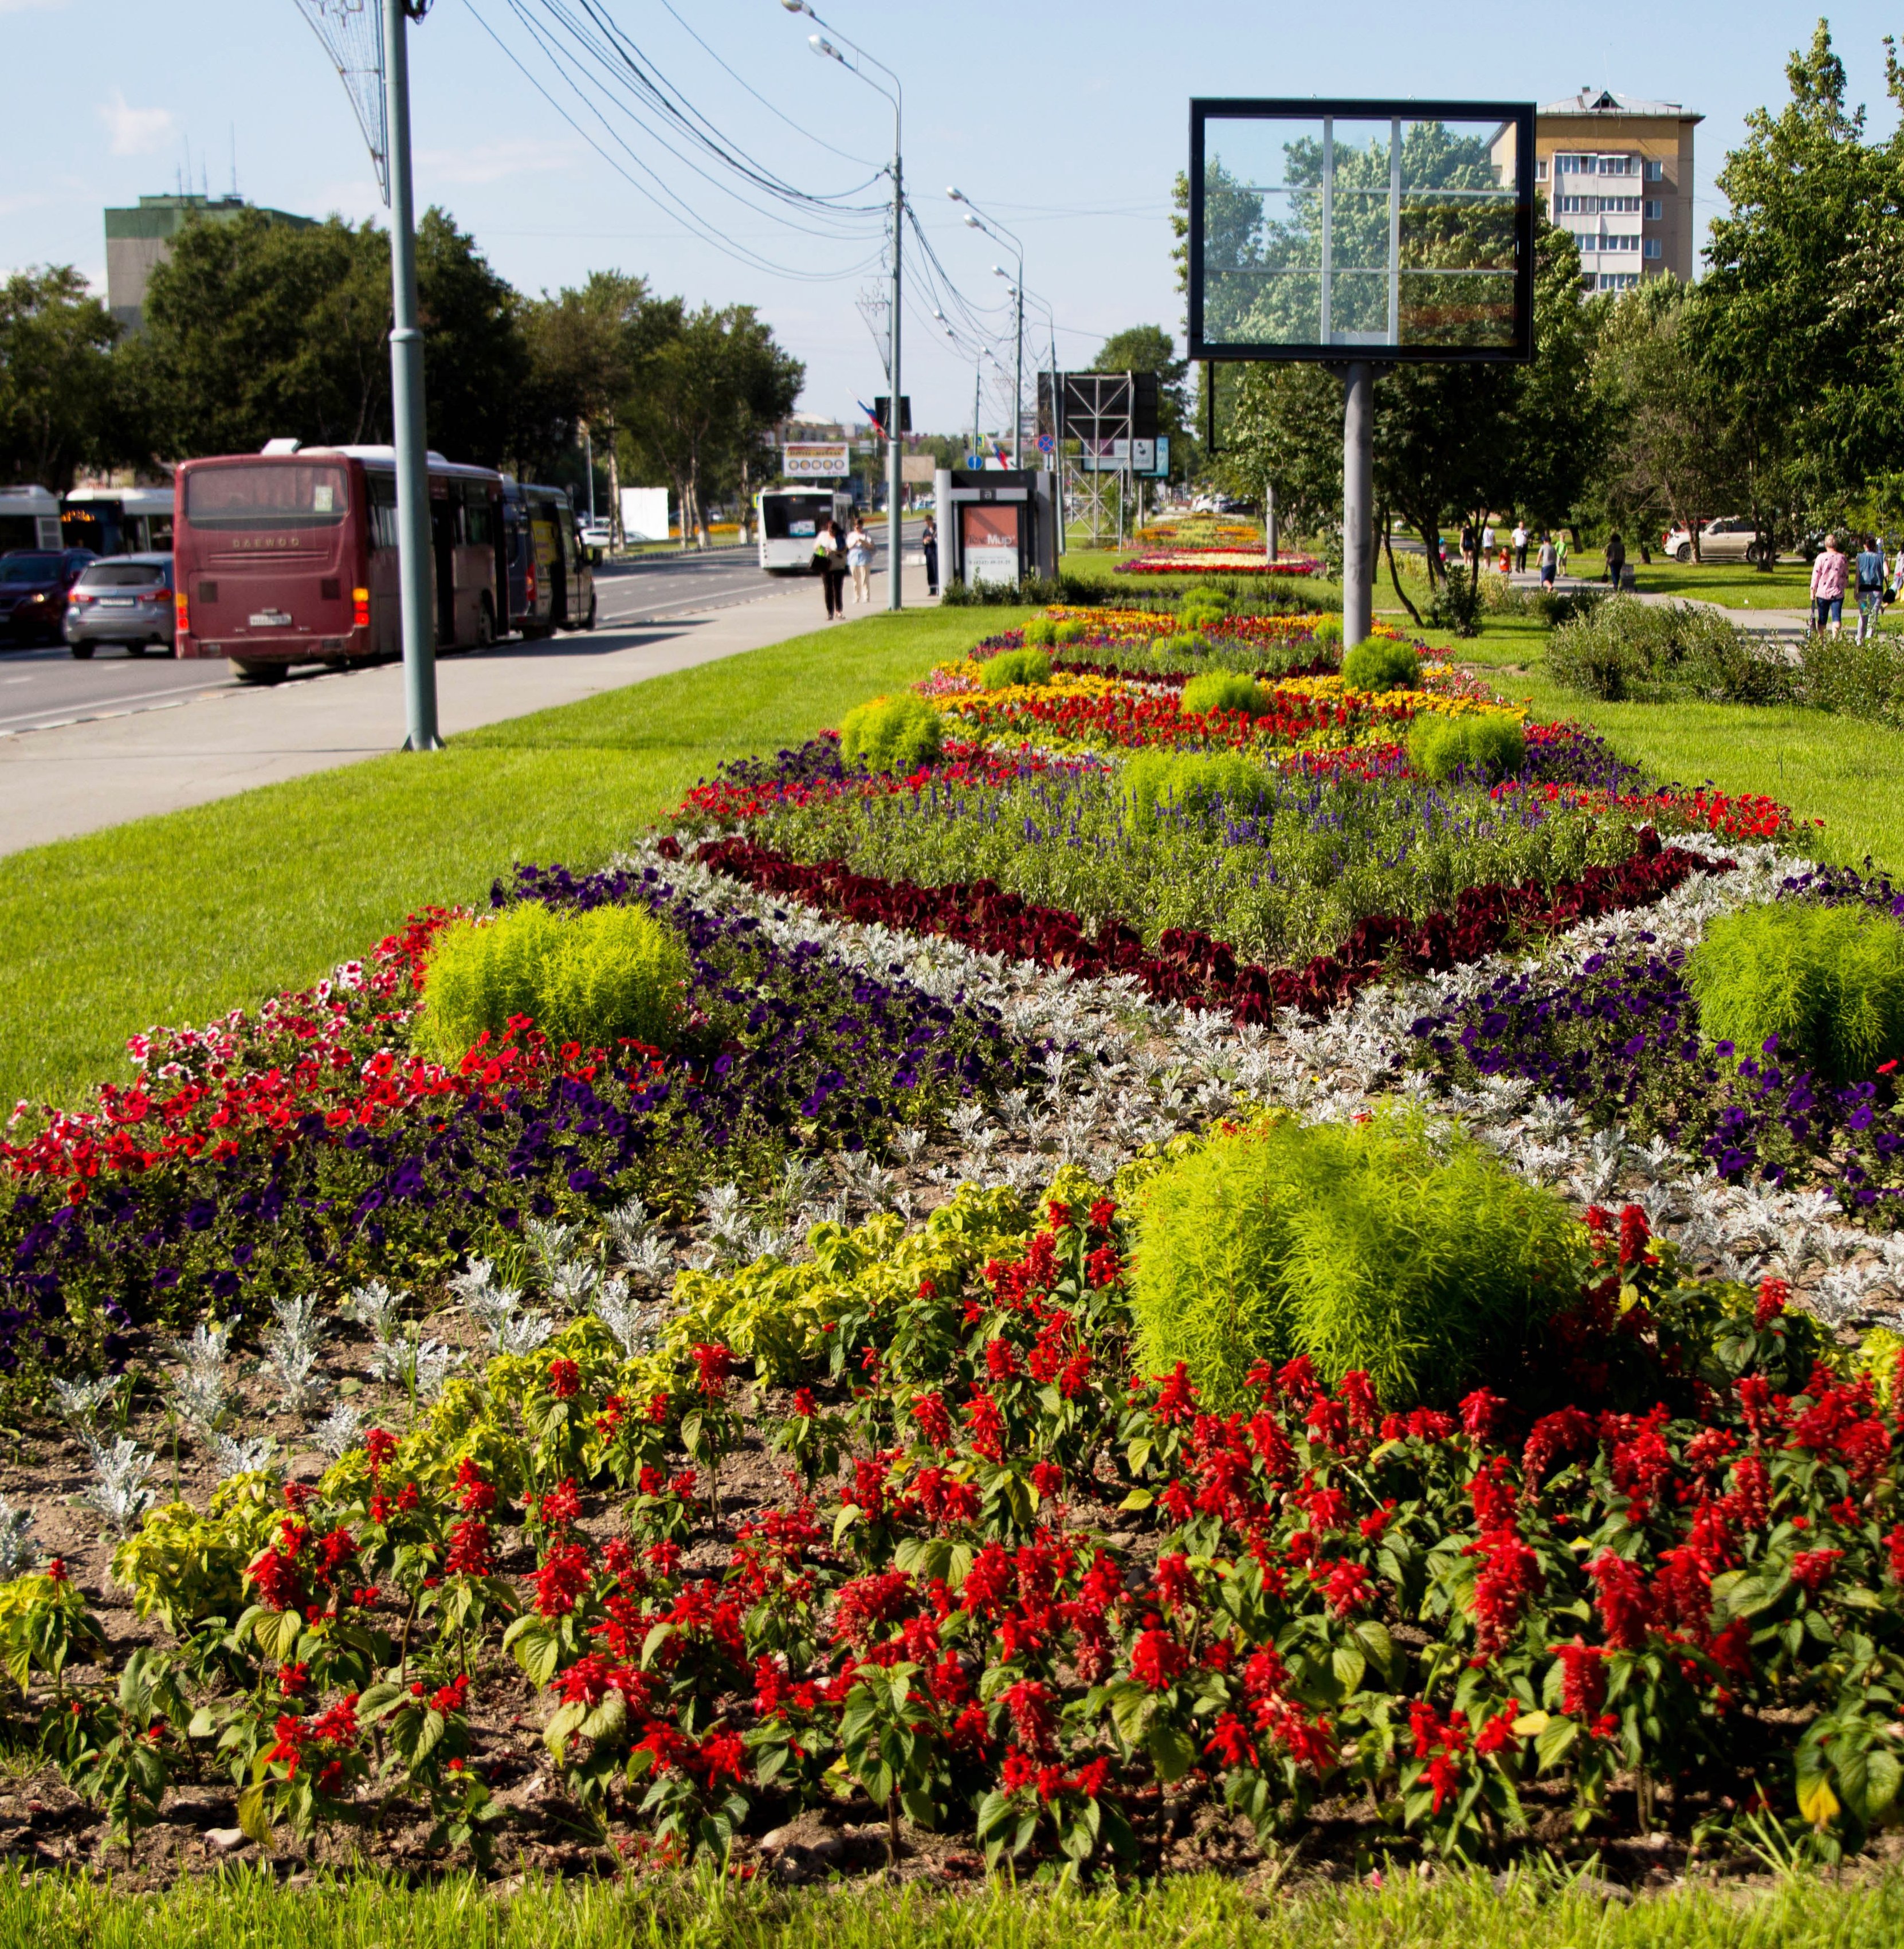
(288, 556)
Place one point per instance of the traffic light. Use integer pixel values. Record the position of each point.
(882, 404)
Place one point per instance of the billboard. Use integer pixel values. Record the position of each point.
(816, 459)
(645, 514)
(1401, 231)
(1149, 458)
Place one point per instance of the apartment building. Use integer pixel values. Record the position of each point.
(138, 241)
(1616, 171)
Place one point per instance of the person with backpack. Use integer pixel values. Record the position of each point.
(1871, 586)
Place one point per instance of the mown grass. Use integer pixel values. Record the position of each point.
(252, 1909)
(182, 917)
(1848, 773)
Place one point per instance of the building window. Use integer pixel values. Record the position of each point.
(1655, 209)
(1618, 280)
(1569, 166)
(1619, 240)
(1540, 168)
(1655, 172)
(1617, 165)
(1652, 247)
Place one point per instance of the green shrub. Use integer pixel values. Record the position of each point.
(1073, 629)
(1224, 690)
(585, 978)
(1327, 630)
(1650, 653)
(1040, 630)
(1189, 781)
(1455, 605)
(1492, 745)
(1428, 1265)
(1382, 664)
(1828, 982)
(1854, 679)
(891, 733)
(1013, 667)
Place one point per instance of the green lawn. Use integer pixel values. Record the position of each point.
(1788, 586)
(246, 1907)
(181, 918)
(1848, 773)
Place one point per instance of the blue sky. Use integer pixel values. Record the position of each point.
(1064, 120)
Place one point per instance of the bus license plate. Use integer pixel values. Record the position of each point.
(270, 619)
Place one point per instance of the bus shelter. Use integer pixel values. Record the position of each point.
(999, 525)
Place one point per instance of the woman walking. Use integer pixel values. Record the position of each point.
(830, 558)
(1871, 586)
(929, 547)
(1549, 561)
(1828, 573)
(859, 560)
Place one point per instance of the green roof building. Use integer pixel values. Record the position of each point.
(137, 240)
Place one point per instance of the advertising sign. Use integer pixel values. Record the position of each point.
(1150, 457)
(990, 534)
(817, 459)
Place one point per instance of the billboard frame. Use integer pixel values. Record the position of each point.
(1292, 108)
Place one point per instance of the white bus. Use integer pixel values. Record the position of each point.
(790, 518)
(29, 518)
(118, 520)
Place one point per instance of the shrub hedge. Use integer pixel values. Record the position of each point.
(891, 733)
(1380, 664)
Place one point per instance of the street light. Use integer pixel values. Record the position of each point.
(894, 95)
(998, 233)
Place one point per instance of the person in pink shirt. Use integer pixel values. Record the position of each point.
(1828, 573)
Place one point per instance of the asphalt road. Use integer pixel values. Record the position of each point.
(40, 689)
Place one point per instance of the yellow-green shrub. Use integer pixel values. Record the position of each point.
(1191, 781)
(1015, 667)
(1380, 664)
(1491, 744)
(186, 1565)
(1223, 690)
(891, 733)
(584, 977)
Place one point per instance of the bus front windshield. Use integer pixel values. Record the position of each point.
(267, 494)
(793, 517)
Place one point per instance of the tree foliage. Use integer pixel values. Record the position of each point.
(57, 396)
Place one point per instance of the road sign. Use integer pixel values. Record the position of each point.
(1046, 444)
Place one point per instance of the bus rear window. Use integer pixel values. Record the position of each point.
(786, 517)
(266, 494)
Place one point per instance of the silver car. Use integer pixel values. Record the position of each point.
(126, 599)
(1731, 539)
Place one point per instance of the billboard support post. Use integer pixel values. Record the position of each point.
(1357, 479)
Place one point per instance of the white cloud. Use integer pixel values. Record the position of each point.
(135, 131)
(493, 163)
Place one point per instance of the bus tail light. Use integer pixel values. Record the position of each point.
(360, 608)
(184, 615)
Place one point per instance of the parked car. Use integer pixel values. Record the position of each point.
(597, 537)
(127, 600)
(34, 583)
(1733, 538)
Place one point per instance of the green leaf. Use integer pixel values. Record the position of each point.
(1882, 1774)
(1171, 1749)
(1377, 1642)
(1348, 1664)
(277, 1632)
(1554, 1744)
(1137, 1499)
(845, 1520)
(253, 1816)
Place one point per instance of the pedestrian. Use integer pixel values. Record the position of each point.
(1829, 570)
(1897, 576)
(859, 560)
(929, 547)
(829, 558)
(1549, 561)
(1560, 548)
(1870, 587)
(1487, 539)
(1519, 548)
(1616, 559)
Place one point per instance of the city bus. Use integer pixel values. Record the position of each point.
(117, 521)
(290, 556)
(789, 519)
(29, 518)
(552, 585)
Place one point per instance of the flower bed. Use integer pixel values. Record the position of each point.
(1218, 561)
(757, 1420)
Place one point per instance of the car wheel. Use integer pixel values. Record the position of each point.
(82, 652)
(135, 649)
(1683, 552)
(260, 673)
(589, 621)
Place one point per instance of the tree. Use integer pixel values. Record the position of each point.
(55, 376)
(1788, 326)
(255, 330)
(703, 402)
(475, 363)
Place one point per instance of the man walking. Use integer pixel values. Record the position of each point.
(1828, 573)
(1519, 548)
(1549, 561)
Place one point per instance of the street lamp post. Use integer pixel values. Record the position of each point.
(976, 220)
(821, 45)
(406, 403)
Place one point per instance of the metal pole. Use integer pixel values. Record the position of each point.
(406, 405)
(1358, 471)
(588, 462)
(892, 446)
(1018, 386)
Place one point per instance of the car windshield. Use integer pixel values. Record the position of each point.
(123, 575)
(30, 568)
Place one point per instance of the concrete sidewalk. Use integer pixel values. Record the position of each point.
(1783, 626)
(79, 778)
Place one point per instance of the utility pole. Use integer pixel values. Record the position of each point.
(1357, 493)
(406, 403)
